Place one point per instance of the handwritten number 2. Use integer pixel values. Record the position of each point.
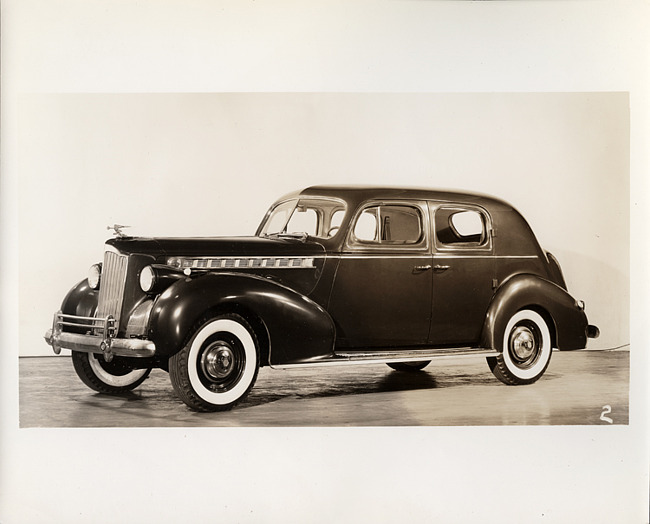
(606, 409)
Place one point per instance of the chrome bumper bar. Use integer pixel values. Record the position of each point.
(103, 341)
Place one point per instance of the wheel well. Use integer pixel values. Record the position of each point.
(547, 318)
(256, 323)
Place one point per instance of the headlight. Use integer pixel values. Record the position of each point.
(147, 279)
(156, 278)
(94, 276)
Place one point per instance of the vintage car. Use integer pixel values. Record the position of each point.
(333, 276)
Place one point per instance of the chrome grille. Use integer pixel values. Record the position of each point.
(111, 288)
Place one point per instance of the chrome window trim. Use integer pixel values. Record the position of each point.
(440, 247)
(422, 246)
(298, 198)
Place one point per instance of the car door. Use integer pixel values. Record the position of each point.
(381, 295)
(464, 268)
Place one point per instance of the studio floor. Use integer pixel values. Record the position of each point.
(578, 388)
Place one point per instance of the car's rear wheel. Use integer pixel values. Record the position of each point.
(527, 349)
(112, 378)
(409, 367)
(218, 366)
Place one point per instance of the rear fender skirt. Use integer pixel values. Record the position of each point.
(298, 329)
(566, 319)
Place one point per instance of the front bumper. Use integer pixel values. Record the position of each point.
(101, 341)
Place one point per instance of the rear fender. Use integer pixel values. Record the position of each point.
(298, 329)
(555, 270)
(567, 322)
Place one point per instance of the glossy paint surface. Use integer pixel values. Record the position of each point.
(81, 301)
(351, 294)
(529, 291)
(298, 329)
(380, 300)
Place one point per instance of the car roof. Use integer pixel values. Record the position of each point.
(356, 194)
(519, 240)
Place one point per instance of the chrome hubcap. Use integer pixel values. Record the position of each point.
(523, 343)
(217, 361)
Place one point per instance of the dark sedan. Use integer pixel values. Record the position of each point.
(333, 276)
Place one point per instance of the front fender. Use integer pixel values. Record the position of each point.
(298, 329)
(81, 301)
(567, 322)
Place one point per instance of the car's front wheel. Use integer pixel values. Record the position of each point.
(218, 366)
(112, 378)
(527, 349)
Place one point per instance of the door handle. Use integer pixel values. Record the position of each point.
(438, 267)
(422, 268)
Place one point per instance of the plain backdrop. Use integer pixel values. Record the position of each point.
(103, 121)
(211, 164)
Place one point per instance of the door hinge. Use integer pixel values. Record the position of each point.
(495, 283)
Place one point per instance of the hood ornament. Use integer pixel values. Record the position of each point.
(117, 230)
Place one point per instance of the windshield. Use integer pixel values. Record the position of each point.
(314, 217)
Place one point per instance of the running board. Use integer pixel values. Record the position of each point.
(348, 358)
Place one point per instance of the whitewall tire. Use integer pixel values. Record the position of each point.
(218, 366)
(114, 377)
(526, 350)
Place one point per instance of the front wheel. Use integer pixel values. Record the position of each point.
(526, 349)
(218, 366)
(111, 378)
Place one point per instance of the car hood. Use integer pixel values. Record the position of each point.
(221, 246)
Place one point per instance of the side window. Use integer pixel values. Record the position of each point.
(460, 227)
(366, 228)
(389, 224)
(337, 218)
(335, 222)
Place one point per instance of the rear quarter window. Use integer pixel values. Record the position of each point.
(460, 227)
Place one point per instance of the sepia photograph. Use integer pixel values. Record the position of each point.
(446, 275)
(380, 261)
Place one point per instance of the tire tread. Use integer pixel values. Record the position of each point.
(500, 369)
(88, 376)
(178, 368)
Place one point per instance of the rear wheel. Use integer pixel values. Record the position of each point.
(112, 378)
(218, 366)
(409, 366)
(526, 349)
